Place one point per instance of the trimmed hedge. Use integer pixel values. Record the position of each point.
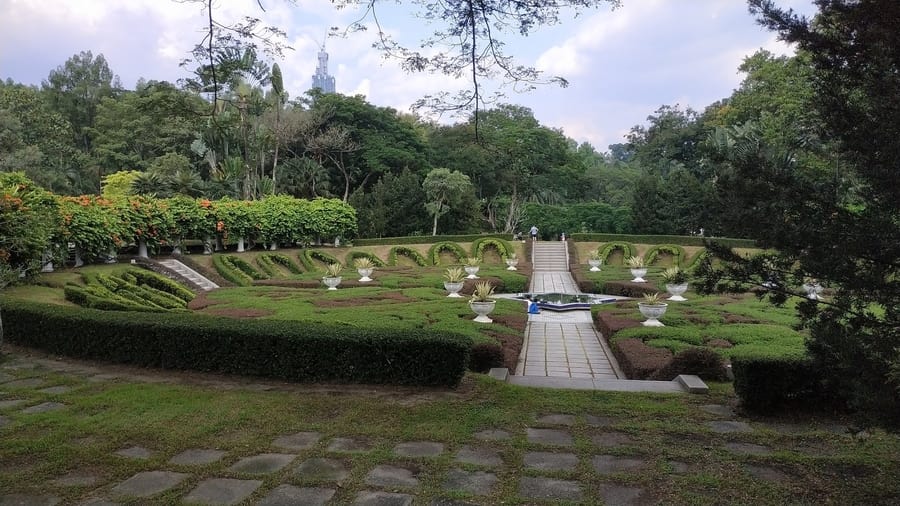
(627, 248)
(503, 248)
(639, 361)
(267, 262)
(228, 271)
(353, 255)
(683, 240)
(293, 351)
(434, 253)
(427, 239)
(767, 384)
(673, 249)
(308, 256)
(410, 253)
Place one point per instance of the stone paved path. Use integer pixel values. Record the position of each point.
(539, 462)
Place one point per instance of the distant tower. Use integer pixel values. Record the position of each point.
(321, 79)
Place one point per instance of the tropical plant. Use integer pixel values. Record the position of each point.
(455, 274)
(333, 270)
(363, 263)
(472, 261)
(652, 299)
(483, 292)
(634, 262)
(594, 255)
(674, 276)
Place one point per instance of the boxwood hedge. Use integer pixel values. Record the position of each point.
(293, 351)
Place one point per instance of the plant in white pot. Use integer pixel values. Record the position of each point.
(652, 309)
(453, 281)
(481, 301)
(813, 288)
(364, 266)
(676, 281)
(636, 265)
(511, 262)
(595, 261)
(332, 276)
(472, 265)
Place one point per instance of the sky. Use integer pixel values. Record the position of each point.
(621, 64)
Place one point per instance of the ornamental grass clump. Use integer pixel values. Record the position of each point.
(674, 276)
(483, 292)
(333, 270)
(454, 275)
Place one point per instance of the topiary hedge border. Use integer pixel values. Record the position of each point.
(267, 262)
(627, 248)
(434, 253)
(293, 351)
(353, 255)
(228, 271)
(408, 252)
(423, 239)
(683, 240)
(307, 257)
(503, 248)
(674, 249)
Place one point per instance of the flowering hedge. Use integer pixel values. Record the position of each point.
(33, 219)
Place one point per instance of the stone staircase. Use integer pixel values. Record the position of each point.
(189, 274)
(550, 256)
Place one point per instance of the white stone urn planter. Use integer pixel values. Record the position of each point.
(511, 264)
(453, 288)
(639, 275)
(652, 312)
(813, 290)
(331, 282)
(595, 264)
(208, 245)
(482, 309)
(240, 245)
(472, 271)
(676, 290)
(364, 274)
(142, 249)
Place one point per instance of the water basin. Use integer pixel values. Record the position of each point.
(566, 301)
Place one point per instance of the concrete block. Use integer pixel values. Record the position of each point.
(692, 384)
(499, 373)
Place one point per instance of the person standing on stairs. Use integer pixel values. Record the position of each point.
(534, 233)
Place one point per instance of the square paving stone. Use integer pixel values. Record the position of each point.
(621, 495)
(135, 452)
(493, 435)
(609, 464)
(474, 482)
(349, 445)
(149, 483)
(548, 488)
(222, 491)
(24, 383)
(748, 449)
(554, 419)
(718, 409)
(12, 403)
(197, 457)
(57, 390)
(550, 437)
(75, 479)
(392, 476)
(419, 449)
(28, 500)
(728, 426)
(368, 498)
(611, 439)
(43, 407)
(320, 469)
(479, 456)
(298, 441)
(289, 495)
(262, 464)
(599, 421)
(547, 461)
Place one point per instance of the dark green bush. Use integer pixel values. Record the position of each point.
(702, 362)
(420, 239)
(484, 357)
(767, 384)
(295, 351)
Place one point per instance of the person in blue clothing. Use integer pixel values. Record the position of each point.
(534, 233)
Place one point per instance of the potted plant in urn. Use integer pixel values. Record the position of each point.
(512, 261)
(364, 266)
(472, 267)
(636, 265)
(481, 301)
(813, 288)
(652, 309)
(595, 261)
(332, 276)
(676, 281)
(453, 281)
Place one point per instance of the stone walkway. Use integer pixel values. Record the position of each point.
(307, 467)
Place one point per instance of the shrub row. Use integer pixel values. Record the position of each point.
(268, 261)
(423, 239)
(294, 351)
(768, 384)
(135, 290)
(434, 253)
(353, 255)
(682, 240)
(227, 270)
(308, 258)
(416, 257)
